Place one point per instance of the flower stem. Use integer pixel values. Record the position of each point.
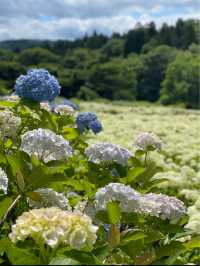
(145, 160)
(9, 210)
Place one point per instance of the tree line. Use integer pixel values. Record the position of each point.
(147, 64)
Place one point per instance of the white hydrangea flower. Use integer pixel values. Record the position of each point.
(64, 109)
(130, 200)
(53, 227)
(107, 152)
(127, 197)
(46, 145)
(49, 198)
(3, 181)
(46, 106)
(162, 206)
(9, 123)
(148, 141)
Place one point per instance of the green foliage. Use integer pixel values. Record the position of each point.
(131, 66)
(181, 84)
(122, 238)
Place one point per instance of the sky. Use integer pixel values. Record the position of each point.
(70, 19)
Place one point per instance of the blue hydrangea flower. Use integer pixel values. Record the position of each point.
(38, 85)
(87, 121)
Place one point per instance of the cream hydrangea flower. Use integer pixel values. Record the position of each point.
(148, 141)
(107, 152)
(49, 198)
(9, 123)
(46, 145)
(53, 227)
(3, 181)
(64, 109)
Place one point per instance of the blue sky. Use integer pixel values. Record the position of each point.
(61, 19)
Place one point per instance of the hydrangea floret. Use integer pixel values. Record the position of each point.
(46, 145)
(148, 141)
(87, 121)
(107, 152)
(53, 227)
(63, 109)
(38, 85)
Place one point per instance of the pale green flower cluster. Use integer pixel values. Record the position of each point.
(54, 227)
(194, 221)
(9, 123)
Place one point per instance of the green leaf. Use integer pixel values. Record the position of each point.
(16, 255)
(139, 153)
(172, 249)
(134, 172)
(63, 260)
(114, 212)
(133, 236)
(8, 104)
(4, 205)
(194, 243)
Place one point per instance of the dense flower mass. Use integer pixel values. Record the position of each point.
(194, 220)
(63, 109)
(46, 145)
(107, 152)
(157, 205)
(53, 227)
(9, 123)
(3, 181)
(47, 197)
(87, 121)
(38, 85)
(148, 141)
(127, 197)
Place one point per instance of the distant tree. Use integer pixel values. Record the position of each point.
(113, 48)
(153, 72)
(111, 78)
(6, 55)
(181, 84)
(34, 56)
(135, 40)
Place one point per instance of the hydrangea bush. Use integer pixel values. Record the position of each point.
(65, 202)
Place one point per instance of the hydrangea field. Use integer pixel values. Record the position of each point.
(97, 184)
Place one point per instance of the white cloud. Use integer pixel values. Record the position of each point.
(55, 19)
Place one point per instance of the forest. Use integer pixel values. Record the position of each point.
(147, 64)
